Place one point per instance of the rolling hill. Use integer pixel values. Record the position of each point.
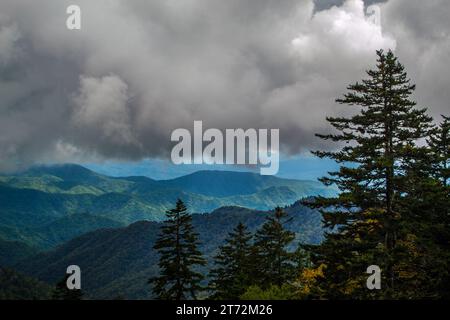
(16, 286)
(118, 261)
(226, 184)
(48, 205)
(12, 252)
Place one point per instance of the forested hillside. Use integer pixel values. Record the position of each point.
(118, 262)
(46, 206)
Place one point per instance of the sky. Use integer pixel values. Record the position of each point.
(112, 92)
(300, 167)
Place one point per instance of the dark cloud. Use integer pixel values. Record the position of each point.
(140, 69)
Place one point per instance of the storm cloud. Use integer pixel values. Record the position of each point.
(137, 70)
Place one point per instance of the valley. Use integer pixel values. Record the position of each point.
(46, 206)
(118, 261)
(55, 216)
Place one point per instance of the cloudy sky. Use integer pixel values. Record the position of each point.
(139, 69)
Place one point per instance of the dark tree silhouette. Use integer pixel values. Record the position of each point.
(233, 266)
(179, 255)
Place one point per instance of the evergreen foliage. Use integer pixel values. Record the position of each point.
(390, 209)
(233, 266)
(273, 263)
(179, 255)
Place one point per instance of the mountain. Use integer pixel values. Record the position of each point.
(16, 286)
(69, 227)
(47, 205)
(226, 184)
(42, 228)
(76, 180)
(66, 179)
(118, 262)
(11, 252)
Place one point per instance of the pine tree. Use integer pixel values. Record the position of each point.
(368, 217)
(179, 256)
(436, 201)
(439, 143)
(232, 274)
(274, 264)
(61, 292)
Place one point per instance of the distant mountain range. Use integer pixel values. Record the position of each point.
(117, 262)
(48, 205)
(55, 216)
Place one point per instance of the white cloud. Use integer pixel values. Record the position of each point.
(101, 111)
(341, 32)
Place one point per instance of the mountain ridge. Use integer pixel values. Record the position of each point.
(35, 199)
(118, 261)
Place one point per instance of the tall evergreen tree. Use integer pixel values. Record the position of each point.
(232, 274)
(439, 143)
(437, 202)
(422, 247)
(179, 256)
(378, 145)
(274, 264)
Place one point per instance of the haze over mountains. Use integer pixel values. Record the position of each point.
(54, 216)
(46, 206)
(118, 262)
